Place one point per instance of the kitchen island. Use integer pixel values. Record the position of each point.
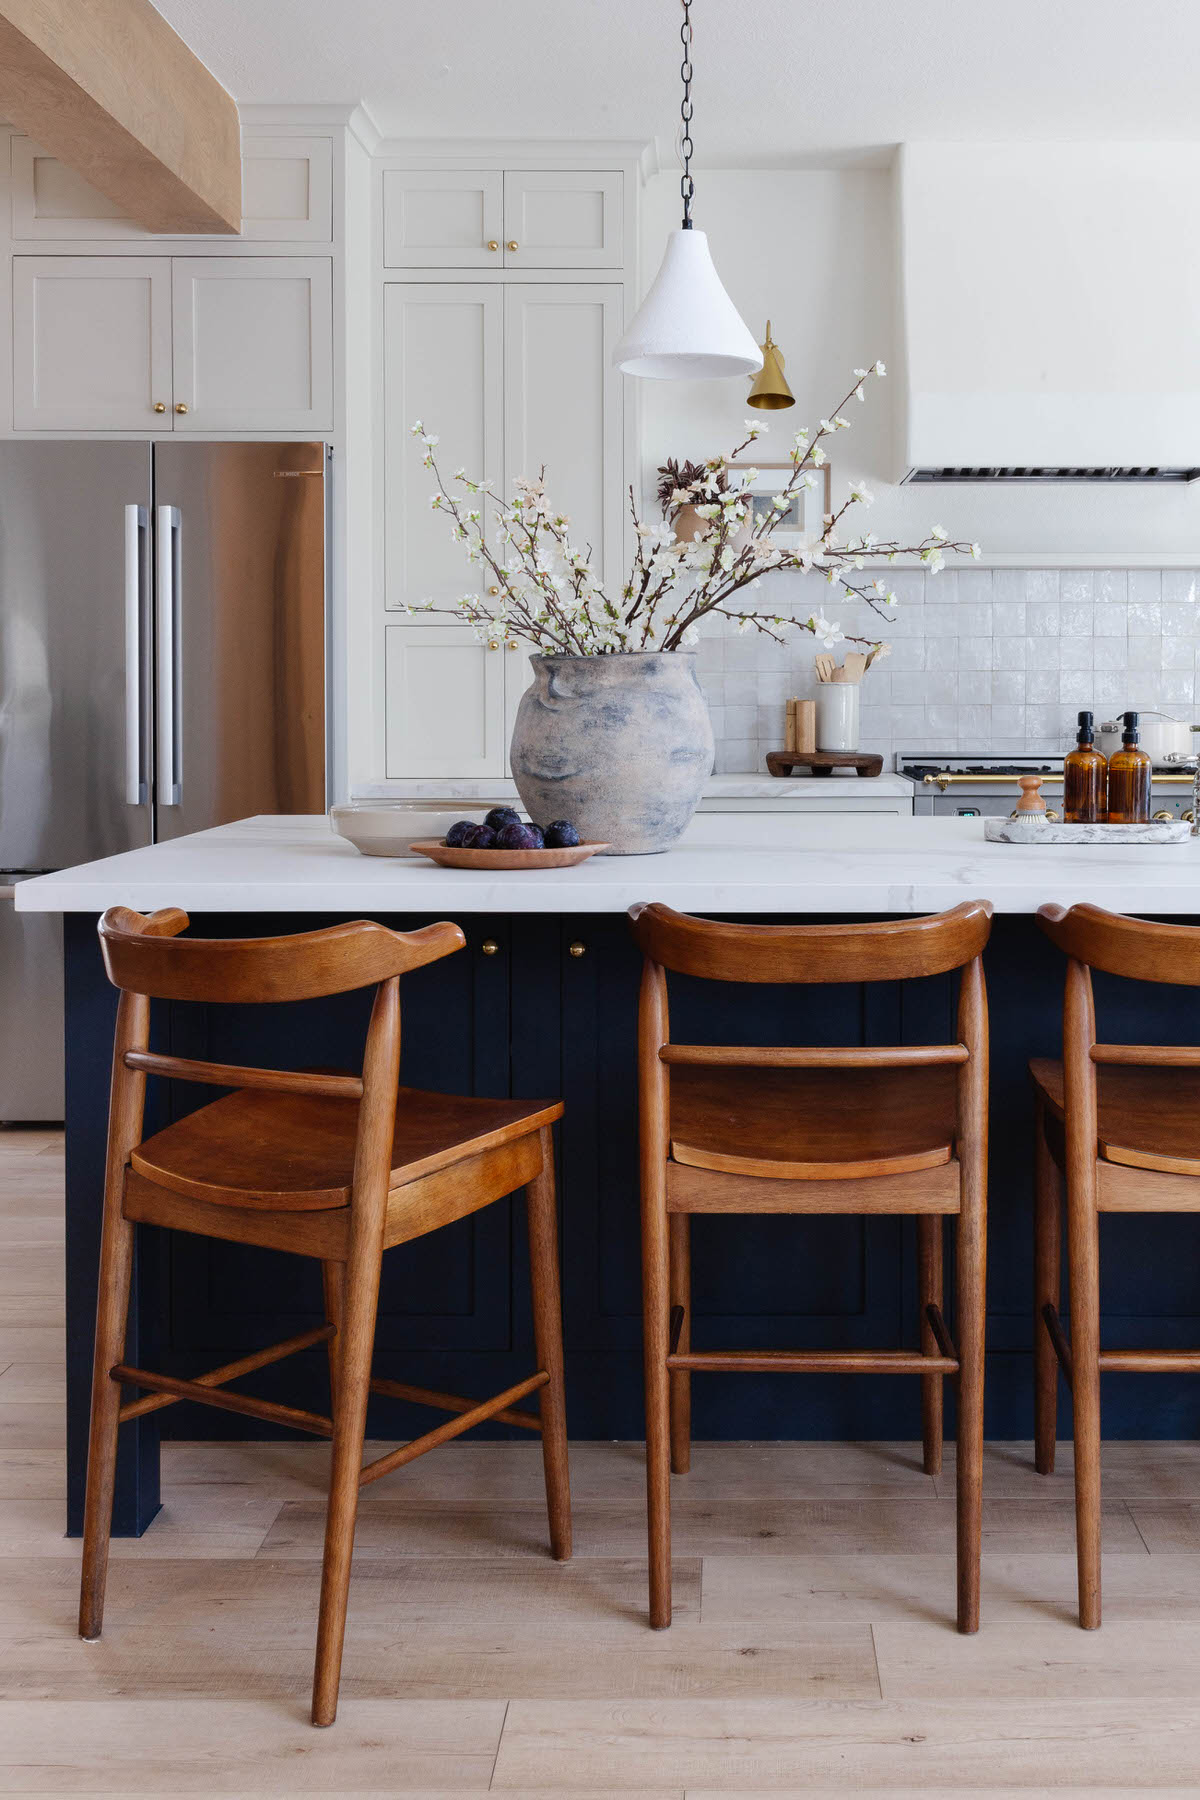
(543, 1002)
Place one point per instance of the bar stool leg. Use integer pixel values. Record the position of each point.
(681, 1380)
(112, 1312)
(1047, 1291)
(656, 1328)
(542, 1213)
(1083, 1251)
(929, 1261)
(333, 1283)
(356, 1344)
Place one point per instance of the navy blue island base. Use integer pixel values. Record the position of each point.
(530, 1018)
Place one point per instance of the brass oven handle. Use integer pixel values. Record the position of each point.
(944, 781)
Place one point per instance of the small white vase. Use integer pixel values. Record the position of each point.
(837, 715)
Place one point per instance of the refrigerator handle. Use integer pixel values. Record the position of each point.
(137, 522)
(166, 538)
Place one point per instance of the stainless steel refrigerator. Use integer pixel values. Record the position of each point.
(162, 669)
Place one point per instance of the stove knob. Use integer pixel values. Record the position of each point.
(1189, 817)
(1053, 816)
(1162, 815)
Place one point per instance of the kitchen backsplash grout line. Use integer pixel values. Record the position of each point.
(981, 660)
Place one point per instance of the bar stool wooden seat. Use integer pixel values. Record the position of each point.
(1120, 1125)
(754, 1129)
(336, 1167)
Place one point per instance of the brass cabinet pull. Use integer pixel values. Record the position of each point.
(493, 643)
(493, 243)
(514, 644)
(493, 591)
(513, 244)
(160, 406)
(181, 407)
(489, 946)
(577, 949)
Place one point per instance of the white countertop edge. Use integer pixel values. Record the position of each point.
(835, 863)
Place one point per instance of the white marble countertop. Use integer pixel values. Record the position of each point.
(835, 864)
(719, 790)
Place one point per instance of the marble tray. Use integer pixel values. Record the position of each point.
(1039, 830)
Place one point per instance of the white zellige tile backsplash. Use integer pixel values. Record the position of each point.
(981, 659)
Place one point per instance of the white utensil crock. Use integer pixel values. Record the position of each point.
(837, 715)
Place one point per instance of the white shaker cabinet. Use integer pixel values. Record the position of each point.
(562, 406)
(563, 219)
(91, 343)
(503, 219)
(118, 343)
(443, 218)
(443, 363)
(253, 343)
(444, 701)
(509, 376)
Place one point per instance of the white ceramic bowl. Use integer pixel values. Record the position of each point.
(388, 827)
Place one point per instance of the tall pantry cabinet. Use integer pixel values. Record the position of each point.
(504, 292)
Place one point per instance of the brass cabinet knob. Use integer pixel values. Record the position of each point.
(513, 644)
(160, 406)
(493, 243)
(489, 946)
(493, 591)
(181, 406)
(1162, 815)
(513, 244)
(577, 949)
(493, 643)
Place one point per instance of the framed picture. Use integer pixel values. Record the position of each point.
(806, 507)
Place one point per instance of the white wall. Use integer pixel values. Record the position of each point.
(816, 250)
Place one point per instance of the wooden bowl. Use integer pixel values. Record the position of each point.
(453, 857)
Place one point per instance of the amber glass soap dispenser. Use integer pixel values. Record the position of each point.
(1129, 778)
(1085, 778)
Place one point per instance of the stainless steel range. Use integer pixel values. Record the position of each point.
(986, 786)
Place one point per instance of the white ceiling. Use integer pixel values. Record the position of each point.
(777, 81)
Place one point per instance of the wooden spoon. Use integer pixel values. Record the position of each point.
(855, 665)
(824, 667)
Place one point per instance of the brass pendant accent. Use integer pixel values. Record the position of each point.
(769, 388)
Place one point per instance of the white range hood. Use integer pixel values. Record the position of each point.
(1051, 311)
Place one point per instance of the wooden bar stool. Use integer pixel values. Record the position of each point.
(749, 1129)
(329, 1166)
(1121, 1123)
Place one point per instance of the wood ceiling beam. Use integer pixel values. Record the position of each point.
(114, 92)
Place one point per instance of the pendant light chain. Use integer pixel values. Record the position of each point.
(687, 186)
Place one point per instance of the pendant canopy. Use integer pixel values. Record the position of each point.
(687, 328)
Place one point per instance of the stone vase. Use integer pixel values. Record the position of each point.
(621, 745)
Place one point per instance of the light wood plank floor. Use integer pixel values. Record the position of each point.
(813, 1651)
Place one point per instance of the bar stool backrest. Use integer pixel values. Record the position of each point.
(1140, 949)
(899, 949)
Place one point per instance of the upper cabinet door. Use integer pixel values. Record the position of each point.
(443, 363)
(91, 343)
(253, 343)
(563, 407)
(563, 219)
(443, 219)
(287, 189)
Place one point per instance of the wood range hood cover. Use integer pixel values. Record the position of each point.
(114, 92)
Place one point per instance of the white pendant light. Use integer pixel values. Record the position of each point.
(687, 328)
